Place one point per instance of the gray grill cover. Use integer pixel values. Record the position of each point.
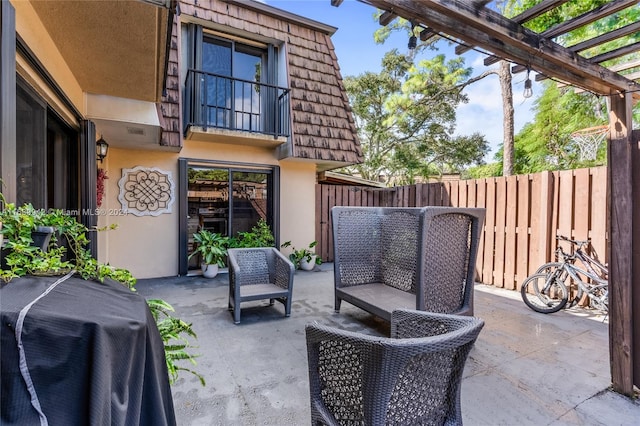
(93, 352)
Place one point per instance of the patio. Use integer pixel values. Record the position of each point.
(526, 368)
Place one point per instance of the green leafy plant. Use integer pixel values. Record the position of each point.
(67, 251)
(259, 236)
(211, 246)
(298, 254)
(173, 331)
(21, 256)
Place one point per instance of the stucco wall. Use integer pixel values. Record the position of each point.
(30, 28)
(297, 204)
(145, 245)
(148, 246)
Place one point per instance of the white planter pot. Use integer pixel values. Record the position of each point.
(209, 271)
(308, 266)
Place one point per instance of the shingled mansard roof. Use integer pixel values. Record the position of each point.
(323, 127)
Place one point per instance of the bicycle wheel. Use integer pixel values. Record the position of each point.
(548, 268)
(544, 293)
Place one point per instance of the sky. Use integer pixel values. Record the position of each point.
(358, 53)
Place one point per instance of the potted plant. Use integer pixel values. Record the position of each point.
(303, 258)
(259, 236)
(64, 249)
(213, 249)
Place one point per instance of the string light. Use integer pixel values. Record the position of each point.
(484, 52)
(413, 40)
(528, 90)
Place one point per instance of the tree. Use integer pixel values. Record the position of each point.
(508, 125)
(547, 143)
(503, 72)
(405, 117)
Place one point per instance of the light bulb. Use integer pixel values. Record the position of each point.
(528, 91)
(413, 42)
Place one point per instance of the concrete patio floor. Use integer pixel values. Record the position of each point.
(525, 369)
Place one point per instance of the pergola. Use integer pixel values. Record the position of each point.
(476, 24)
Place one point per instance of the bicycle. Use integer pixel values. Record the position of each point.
(546, 291)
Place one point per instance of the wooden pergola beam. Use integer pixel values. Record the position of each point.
(588, 17)
(426, 34)
(537, 10)
(492, 31)
(633, 75)
(606, 37)
(386, 18)
(596, 41)
(617, 53)
(527, 15)
(580, 21)
(625, 66)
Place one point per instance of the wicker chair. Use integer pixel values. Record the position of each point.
(414, 377)
(256, 274)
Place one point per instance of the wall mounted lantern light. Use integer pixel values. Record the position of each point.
(102, 147)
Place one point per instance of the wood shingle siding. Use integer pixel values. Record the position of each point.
(170, 107)
(322, 123)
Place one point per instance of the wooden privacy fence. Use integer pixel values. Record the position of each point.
(524, 213)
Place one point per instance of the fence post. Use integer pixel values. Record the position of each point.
(545, 204)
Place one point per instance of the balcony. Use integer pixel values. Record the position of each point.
(224, 109)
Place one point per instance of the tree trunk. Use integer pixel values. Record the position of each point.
(507, 109)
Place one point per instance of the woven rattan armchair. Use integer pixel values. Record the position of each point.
(412, 378)
(256, 274)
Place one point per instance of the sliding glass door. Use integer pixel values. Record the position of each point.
(226, 199)
(46, 155)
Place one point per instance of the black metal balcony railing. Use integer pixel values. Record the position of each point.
(213, 100)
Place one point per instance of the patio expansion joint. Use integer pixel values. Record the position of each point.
(575, 407)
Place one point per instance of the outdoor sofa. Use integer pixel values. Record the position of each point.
(388, 258)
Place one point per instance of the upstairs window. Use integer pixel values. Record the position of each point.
(232, 84)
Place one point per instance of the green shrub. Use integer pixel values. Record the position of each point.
(211, 246)
(259, 236)
(297, 255)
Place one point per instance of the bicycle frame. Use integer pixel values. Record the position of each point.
(592, 290)
(597, 291)
(590, 262)
(547, 290)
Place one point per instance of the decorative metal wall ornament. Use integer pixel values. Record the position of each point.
(146, 191)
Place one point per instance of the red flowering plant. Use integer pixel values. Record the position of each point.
(102, 175)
